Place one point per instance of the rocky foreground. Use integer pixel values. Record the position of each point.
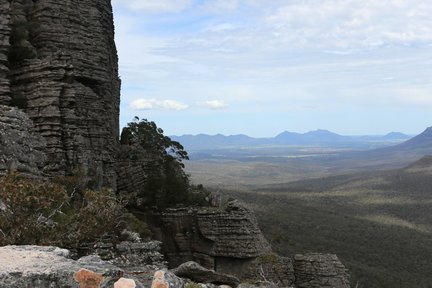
(37, 266)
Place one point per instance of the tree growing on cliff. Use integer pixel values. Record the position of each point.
(146, 135)
(167, 183)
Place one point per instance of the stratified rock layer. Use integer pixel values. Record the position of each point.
(195, 272)
(66, 80)
(4, 47)
(316, 270)
(20, 148)
(221, 239)
(271, 267)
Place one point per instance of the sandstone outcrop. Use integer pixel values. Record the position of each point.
(197, 273)
(316, 270)
(40, 267)
(271, 268)
(133, 174)
(62, 71)
(20, 148)
(166, 279)
(224, 240)
(4, 49)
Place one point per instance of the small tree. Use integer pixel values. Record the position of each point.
(168, 184)
(148, 137)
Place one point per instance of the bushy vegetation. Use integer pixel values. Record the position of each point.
(59, 212)
(70, 212)
(168, 184)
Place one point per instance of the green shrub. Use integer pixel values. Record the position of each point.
(48, 213)
(198, 196)
(134, 224)
(30, 209)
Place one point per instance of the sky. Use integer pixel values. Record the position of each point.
(259, 67)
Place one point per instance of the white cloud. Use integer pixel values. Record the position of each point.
(222, 27)
(415, 96)
(150, 104)
(352, 23)
(214, 104)
(220, 6)
(154, 6)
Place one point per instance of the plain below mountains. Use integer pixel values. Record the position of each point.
(313, 138)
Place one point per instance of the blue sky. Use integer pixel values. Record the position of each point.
(260, 67)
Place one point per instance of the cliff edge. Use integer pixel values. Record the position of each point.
(58, 63)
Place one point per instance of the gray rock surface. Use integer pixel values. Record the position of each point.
(4, 47)
(221, 239)
(41, 267)
(197, 273)
(133, 174)
(138, 259)
(259, 285)
(317, 270)
(20, 148)
(270, 268)
(167, 279)
(67, 81)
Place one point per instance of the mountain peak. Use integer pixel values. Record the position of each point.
(422, 140)
(428, 131)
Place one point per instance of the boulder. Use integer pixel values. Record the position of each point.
(315, 270)
(221, 239)
(166, 279)
(197, 273)
(36, 266)
(125, 283)
(88, 279)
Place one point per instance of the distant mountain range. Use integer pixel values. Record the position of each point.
(317, 138)
(392, 156)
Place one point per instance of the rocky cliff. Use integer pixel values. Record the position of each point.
(4, 50)
(21, 150)
(218, 239)
(58, 63)
(228, 240)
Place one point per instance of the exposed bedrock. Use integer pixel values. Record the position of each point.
(225, 240)
(21, 150)
(4, 48)
(64, 75)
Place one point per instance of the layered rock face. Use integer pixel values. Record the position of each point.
(317, 270)
(223, 240)
(4, 49)
(21, 150)
(64, 75)
(229, 241)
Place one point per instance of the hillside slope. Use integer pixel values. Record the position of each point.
(379, 223)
